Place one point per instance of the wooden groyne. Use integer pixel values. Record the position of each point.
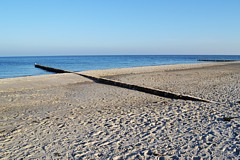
(217, 60)
(106, 81)
(50, 69)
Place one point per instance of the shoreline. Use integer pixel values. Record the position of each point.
(197, 62)
(66, 116)
(51, 73)
(124, 70)
(46, 80)
(13, 67)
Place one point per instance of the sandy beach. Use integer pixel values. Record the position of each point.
(66, 116)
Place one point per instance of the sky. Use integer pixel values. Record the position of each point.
(83, 27)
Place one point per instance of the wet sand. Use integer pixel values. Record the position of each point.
(66, 116)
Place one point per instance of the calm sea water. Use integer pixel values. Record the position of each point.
(24, 66)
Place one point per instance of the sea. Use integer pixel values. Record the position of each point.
(11, 67)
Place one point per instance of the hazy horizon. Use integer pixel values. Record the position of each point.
(58, 27)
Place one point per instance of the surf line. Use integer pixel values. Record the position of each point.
(106, 81)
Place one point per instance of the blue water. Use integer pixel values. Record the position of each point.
(24, 66)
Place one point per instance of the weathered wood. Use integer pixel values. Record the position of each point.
(148, 90)
(50, 69)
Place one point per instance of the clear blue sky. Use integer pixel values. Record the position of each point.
(69, 27)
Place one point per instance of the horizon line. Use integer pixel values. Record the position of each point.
(119, 55)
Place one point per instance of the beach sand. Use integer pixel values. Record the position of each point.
(66, 116)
